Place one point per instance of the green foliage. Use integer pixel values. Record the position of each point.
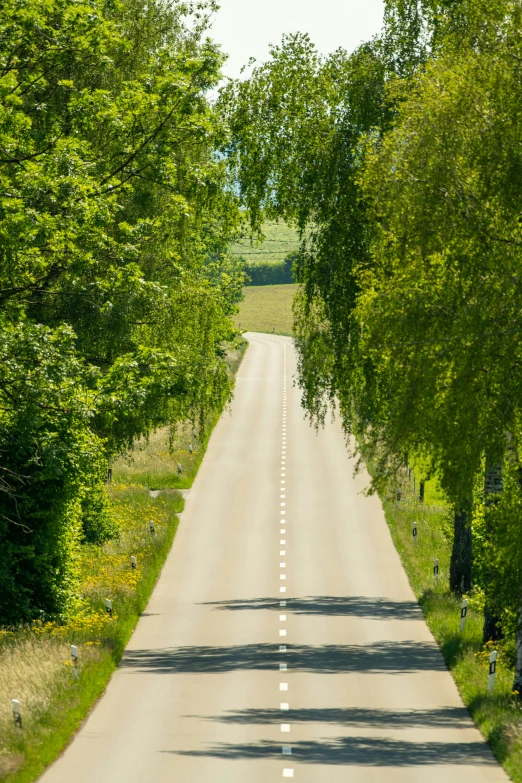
(98, 523)
(271, 274)
(49, 454)
(503, 548)
(296, 127)
(116, 288)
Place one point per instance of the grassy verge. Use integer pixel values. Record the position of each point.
(35, 662)
(498, 715)
(267, 309)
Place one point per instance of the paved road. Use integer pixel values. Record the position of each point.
(282, 639)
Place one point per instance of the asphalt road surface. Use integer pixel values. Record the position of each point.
(282, 639)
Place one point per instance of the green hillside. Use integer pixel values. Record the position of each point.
(280, 240)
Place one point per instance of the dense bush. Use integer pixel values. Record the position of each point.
(49, 456)
(271, 274)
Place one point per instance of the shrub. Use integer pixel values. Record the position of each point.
(265, 273)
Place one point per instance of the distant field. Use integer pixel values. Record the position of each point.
(280, 241)
(267, 308)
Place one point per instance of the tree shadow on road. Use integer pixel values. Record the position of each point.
(388, 657)
(361, 751)
(349, 606)
(444, 717)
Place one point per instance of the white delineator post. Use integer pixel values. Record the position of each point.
(492, 670)
(436, 572)
(133, 562)
(108, 606)
(74, 658)
(414, 532)
(463, 614)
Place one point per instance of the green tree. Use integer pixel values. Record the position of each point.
(115, 218)
(441, 301)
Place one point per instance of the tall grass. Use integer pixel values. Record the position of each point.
(498, 715)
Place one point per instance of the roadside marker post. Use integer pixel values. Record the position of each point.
(436, 572)
(190, 448)
(134, 564)
(108, 606)
(463, 614)
(17, 712)
(414, 532)
(74, 658)
(152, 528)
(180, 469)
(492, 670)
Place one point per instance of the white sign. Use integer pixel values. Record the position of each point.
(492, 670)
(463, 614)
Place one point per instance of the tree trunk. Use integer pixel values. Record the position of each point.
(517, 684)
(461, 554)
(421, 492)
(493, 485)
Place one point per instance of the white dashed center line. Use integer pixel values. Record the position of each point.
(283, 667)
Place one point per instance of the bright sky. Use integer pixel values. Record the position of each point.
(245, 28)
